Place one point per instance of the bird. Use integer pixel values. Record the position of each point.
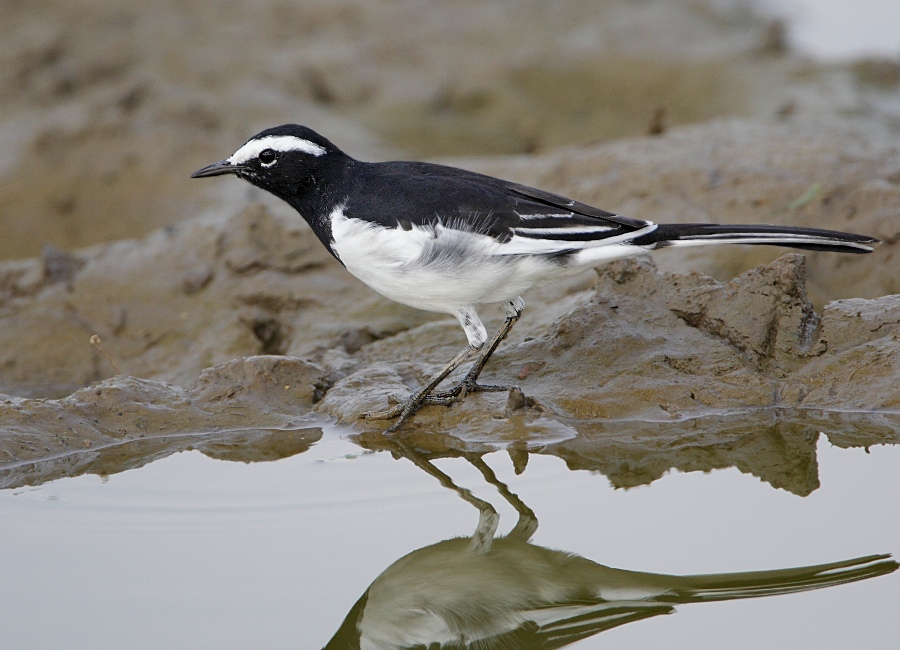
(443, 239)
(521, 595)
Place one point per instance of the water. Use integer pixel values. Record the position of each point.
(836, 29)
(189, 551)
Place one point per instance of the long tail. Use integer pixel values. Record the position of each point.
(814, 239)
(727, 586)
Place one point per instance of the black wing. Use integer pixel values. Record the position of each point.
(407, 194)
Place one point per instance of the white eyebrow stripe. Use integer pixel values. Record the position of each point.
(276, 142)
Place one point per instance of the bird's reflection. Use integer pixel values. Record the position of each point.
(484, 592)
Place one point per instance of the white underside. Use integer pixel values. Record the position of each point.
(422, 268)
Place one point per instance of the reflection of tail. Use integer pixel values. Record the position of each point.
(696, 234)
(650, 595)
(729, 586)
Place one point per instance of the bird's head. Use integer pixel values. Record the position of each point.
(283, 160)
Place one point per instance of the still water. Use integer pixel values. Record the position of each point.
(271, 543)
(835, 30)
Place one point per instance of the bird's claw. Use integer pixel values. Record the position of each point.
(396, 408)
(383, 414)
(463, 388)
(405, 408)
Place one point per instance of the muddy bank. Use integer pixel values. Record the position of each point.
(631, 352)
(251, 410)
(209, 290)
(122, 424)
(227, 321)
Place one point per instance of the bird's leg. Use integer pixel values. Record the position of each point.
(412, 403)
(469, 383)
(476, 335)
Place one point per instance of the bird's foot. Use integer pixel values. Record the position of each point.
(388, 413)
(458, 392)
(405, 408)
(401, 409)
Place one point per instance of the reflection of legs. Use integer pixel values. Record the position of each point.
(528, 523)
(483, 538)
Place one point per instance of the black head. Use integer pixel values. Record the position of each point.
(282, 160)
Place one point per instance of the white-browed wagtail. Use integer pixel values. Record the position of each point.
(448, 240)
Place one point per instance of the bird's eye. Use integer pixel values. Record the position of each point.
(267, 157)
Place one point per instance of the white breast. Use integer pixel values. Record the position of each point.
(435, 269)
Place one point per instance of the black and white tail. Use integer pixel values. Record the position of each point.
(699, 234)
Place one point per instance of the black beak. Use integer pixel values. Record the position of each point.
(217, 169)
